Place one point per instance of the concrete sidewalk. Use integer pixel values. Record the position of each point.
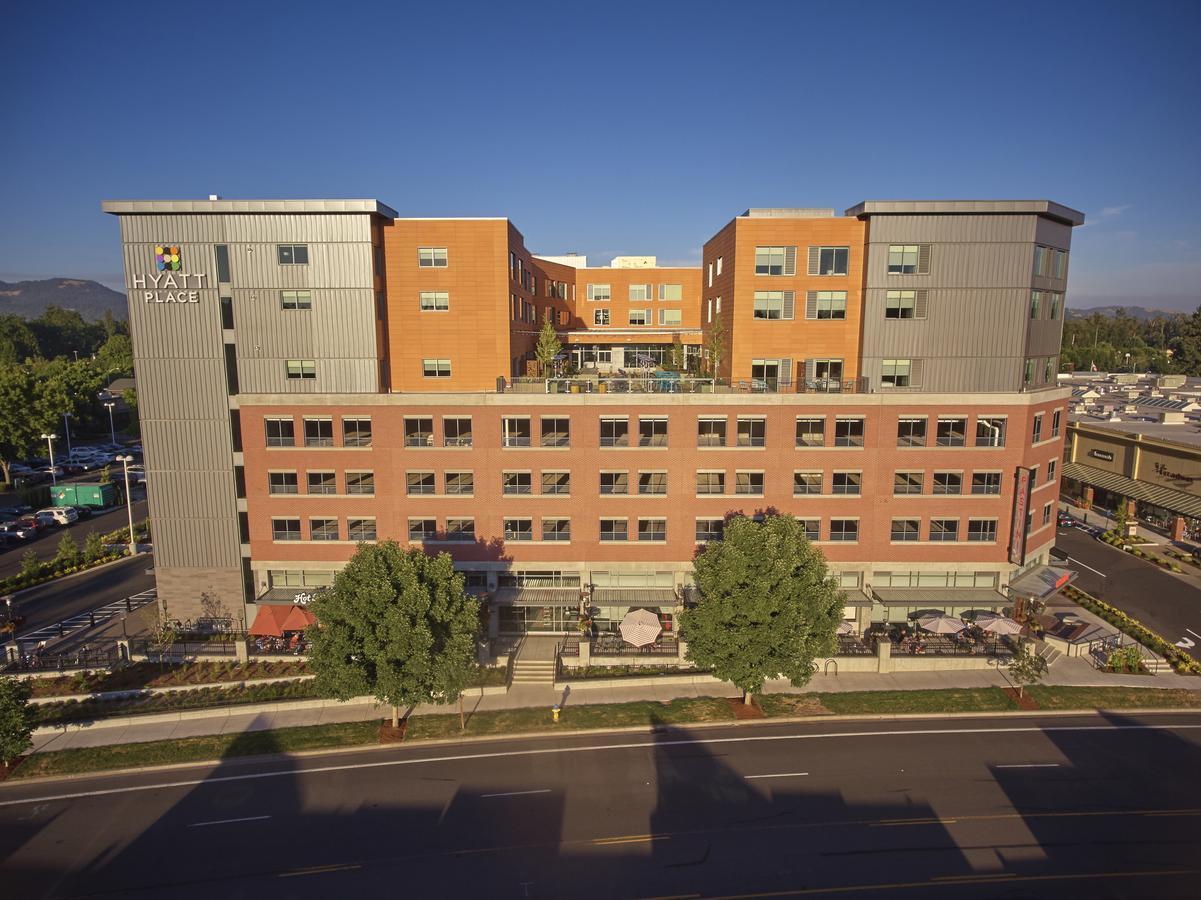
(1071, 672)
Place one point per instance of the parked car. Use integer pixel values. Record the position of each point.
(81, 512)
(58, 515)
(1063, 520)
(15, 531)
(32, 521)
(14, 512)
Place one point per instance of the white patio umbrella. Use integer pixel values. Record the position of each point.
(941, 623)
(995, 624)
(845, 627)
(640, 627)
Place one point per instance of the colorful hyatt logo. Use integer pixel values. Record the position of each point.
(166, 258)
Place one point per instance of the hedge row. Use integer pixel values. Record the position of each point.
(1179, 660)
(1116, 540)
(49, 571)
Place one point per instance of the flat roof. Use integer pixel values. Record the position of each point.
(152, 207)
(1047, 208)
(787, 212)
(1186, 434)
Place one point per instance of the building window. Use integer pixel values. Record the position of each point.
(948, 482)
(826, 305)
(556, 483)
(813, 529)
(905, 530)
(435, 368)
(1028, 373)
(846, 530)
(1036, 430)
(556, 530)
(364, 483)
(986, 482)
(423, 529)
(751, 432)
(900, 305)
(418, 483)
(640, 292)
(907, 483)
(432, 257)
(322, 483)
(1035, 299)
(280, 432)
(282, 483)
(419, 431)
(599, 292)
(775, 260)
(319, 432)
(720, 260)
(434, 301)
(906, 259)
(671, 317)
(990, 431)
(710, 432)
(614, 432)
(640, 317)
(709, 530)
(895, 372)
(614, 530)
(292, 254)
(323, 530)
(460, 529)
(652, 483)
(1056, 305)
(556, 432)
(456, 432)
(1061, 264)
(944, 529)
(1050, 471)
(982, 530)
(296, 299)
(848, 432)
(652, 432)
(671, 292)
(806, 483)
(460, 483)
(774, 304)
(517, 483)
(911, 432)
(710, 483)
(828, 260)
(285, 529)
(652, 529)
(600, 317)
(810, 432)
(300, 368)
(748, 483)
(614, 483)
(951, 433)
(848, 483)
(515, 431)
(356, 432)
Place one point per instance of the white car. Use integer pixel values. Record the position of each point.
(57, 515)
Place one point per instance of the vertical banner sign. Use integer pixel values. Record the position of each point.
(1021, 503)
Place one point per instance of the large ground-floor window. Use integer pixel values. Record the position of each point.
(535, 619)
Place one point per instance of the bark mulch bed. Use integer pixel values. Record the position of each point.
(390, 735)
(1026, 703)
(742, 710)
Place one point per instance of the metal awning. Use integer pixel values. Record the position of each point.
(1167, 498)
(857, 599)
(538, 597)
(977, 598)
(1041, 581)
(634, 597)
(289, 595)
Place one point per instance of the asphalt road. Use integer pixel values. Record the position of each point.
(46, 543)
(58, 600)
(1097, 806)
(1166, 603)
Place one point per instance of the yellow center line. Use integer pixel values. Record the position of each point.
(317, 870)
(974, 876)
(894, 822)
(640, 839)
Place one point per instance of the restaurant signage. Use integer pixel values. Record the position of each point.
(1164, 472)
(1101, 454)
(1021, 503)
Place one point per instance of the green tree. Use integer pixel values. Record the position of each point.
(548, 346)
(676, 354)
(16, 719)
(17, 341)
(1026, 668)
(65, 333)
(768, 605)
(67, 552)
(106, 475)
(115, 355)
(715, 343)
(93, 547)
(396, 624)
(31, 566)
(21, 424)
(1186, 347)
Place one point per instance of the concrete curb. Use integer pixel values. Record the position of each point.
(578, 732)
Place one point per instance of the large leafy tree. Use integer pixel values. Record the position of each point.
(768, 606)
(396, 624)
(16, 719)
(17, 341)
(22, 418)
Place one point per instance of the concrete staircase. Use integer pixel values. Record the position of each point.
(533, 671)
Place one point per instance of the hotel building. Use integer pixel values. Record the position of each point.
(317, 373)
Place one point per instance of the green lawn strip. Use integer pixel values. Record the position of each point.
(1114, 698)
(949, 700)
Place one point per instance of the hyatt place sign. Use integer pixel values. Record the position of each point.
(170, 284)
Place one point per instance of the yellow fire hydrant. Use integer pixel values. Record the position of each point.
(554, 712)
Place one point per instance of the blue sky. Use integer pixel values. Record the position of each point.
(610, 128)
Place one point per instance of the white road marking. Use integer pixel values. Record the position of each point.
(228, 821)
(1090, 568)
(546, 751)
(778, 775)
(1186, 643)
(1028, 766)
(517, 793)
(1193, 633)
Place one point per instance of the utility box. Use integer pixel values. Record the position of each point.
(95, 496)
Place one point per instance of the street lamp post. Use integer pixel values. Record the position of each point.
(49, 439)
(112, 432)
(67, 429)
(125, 460)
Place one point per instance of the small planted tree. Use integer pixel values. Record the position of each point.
(768, 606)
(548, 346)
(715, 343)
(396, 624)
(93, 547)
(31, 566)
(67, 553)
(16, 719)
(1026, 667)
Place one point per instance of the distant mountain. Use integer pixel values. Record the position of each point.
(89, 298)
(1142, 313)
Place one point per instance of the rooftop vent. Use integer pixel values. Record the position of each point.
(214, 197)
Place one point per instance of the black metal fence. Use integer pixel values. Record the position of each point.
(84, 657)
(611, 645)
